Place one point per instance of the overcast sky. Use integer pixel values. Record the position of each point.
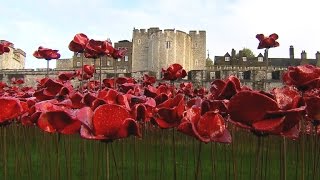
(229, 23)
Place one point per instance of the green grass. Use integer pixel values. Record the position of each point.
(29, 153)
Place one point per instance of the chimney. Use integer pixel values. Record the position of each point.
(304, 59)
(303, 55)
(233, 53)
(318, 58)
(291, 52)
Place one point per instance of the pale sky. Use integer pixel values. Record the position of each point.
(229, 23)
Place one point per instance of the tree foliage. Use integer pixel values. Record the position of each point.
(246, 52)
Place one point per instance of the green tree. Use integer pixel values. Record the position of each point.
(246, 52)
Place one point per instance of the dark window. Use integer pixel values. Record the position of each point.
(247, 75)
(218, 75)
(276, 75)
(168, 44)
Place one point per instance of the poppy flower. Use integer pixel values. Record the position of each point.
(122, 80)
(170, 112)
(59, 120)
(278, 114)
(312, 100)
(76, 99)
(78, 43)
(304, 77)
(225, 89)
(201, 92)
(46, 53)
(143, 108)
(267, 42)
(107, 125)
(66, 76)
(10, 108)
(109, 82)
(148, 80)
(96, 49)
(89, 69)
(17, 81)
(174, 72)
(186, 88)
(206, 128)
(4, 47)
(119, 53)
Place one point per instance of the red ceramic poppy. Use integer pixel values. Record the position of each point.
(122, 80)
(78, 43)
(304, 77)
(267, 42)
(109, 125)
(96, 49)
(10, 108)
(312, 101)
(148, 80)
(109, 82)
(278, 115)
(17, 81)
(59, 121)
(206, 128)
(66, 76)
(174, 72)
(76, 99)
(90, 70)
(170, 112)
(225, 89)
(4, 47)
(119, 53)
(46, 53)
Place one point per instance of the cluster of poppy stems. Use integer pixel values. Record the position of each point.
(124, 105)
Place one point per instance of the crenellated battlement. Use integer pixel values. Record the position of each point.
(20, 51)
(159, 31)
(199, 33)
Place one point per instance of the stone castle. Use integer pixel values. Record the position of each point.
(153, 49)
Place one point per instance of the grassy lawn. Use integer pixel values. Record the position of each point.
(29, 153)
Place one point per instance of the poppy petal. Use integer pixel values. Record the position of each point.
(106, 122)
(85, 116)
(250, 106)
(10, 108)
(268, 125)
(129, 127)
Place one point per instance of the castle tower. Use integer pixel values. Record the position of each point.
(15, 59)
(140, 41)
(155, 49)
(198, 49)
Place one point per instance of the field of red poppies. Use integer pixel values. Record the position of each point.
(125, 128)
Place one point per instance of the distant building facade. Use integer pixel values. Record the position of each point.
(261, 72)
